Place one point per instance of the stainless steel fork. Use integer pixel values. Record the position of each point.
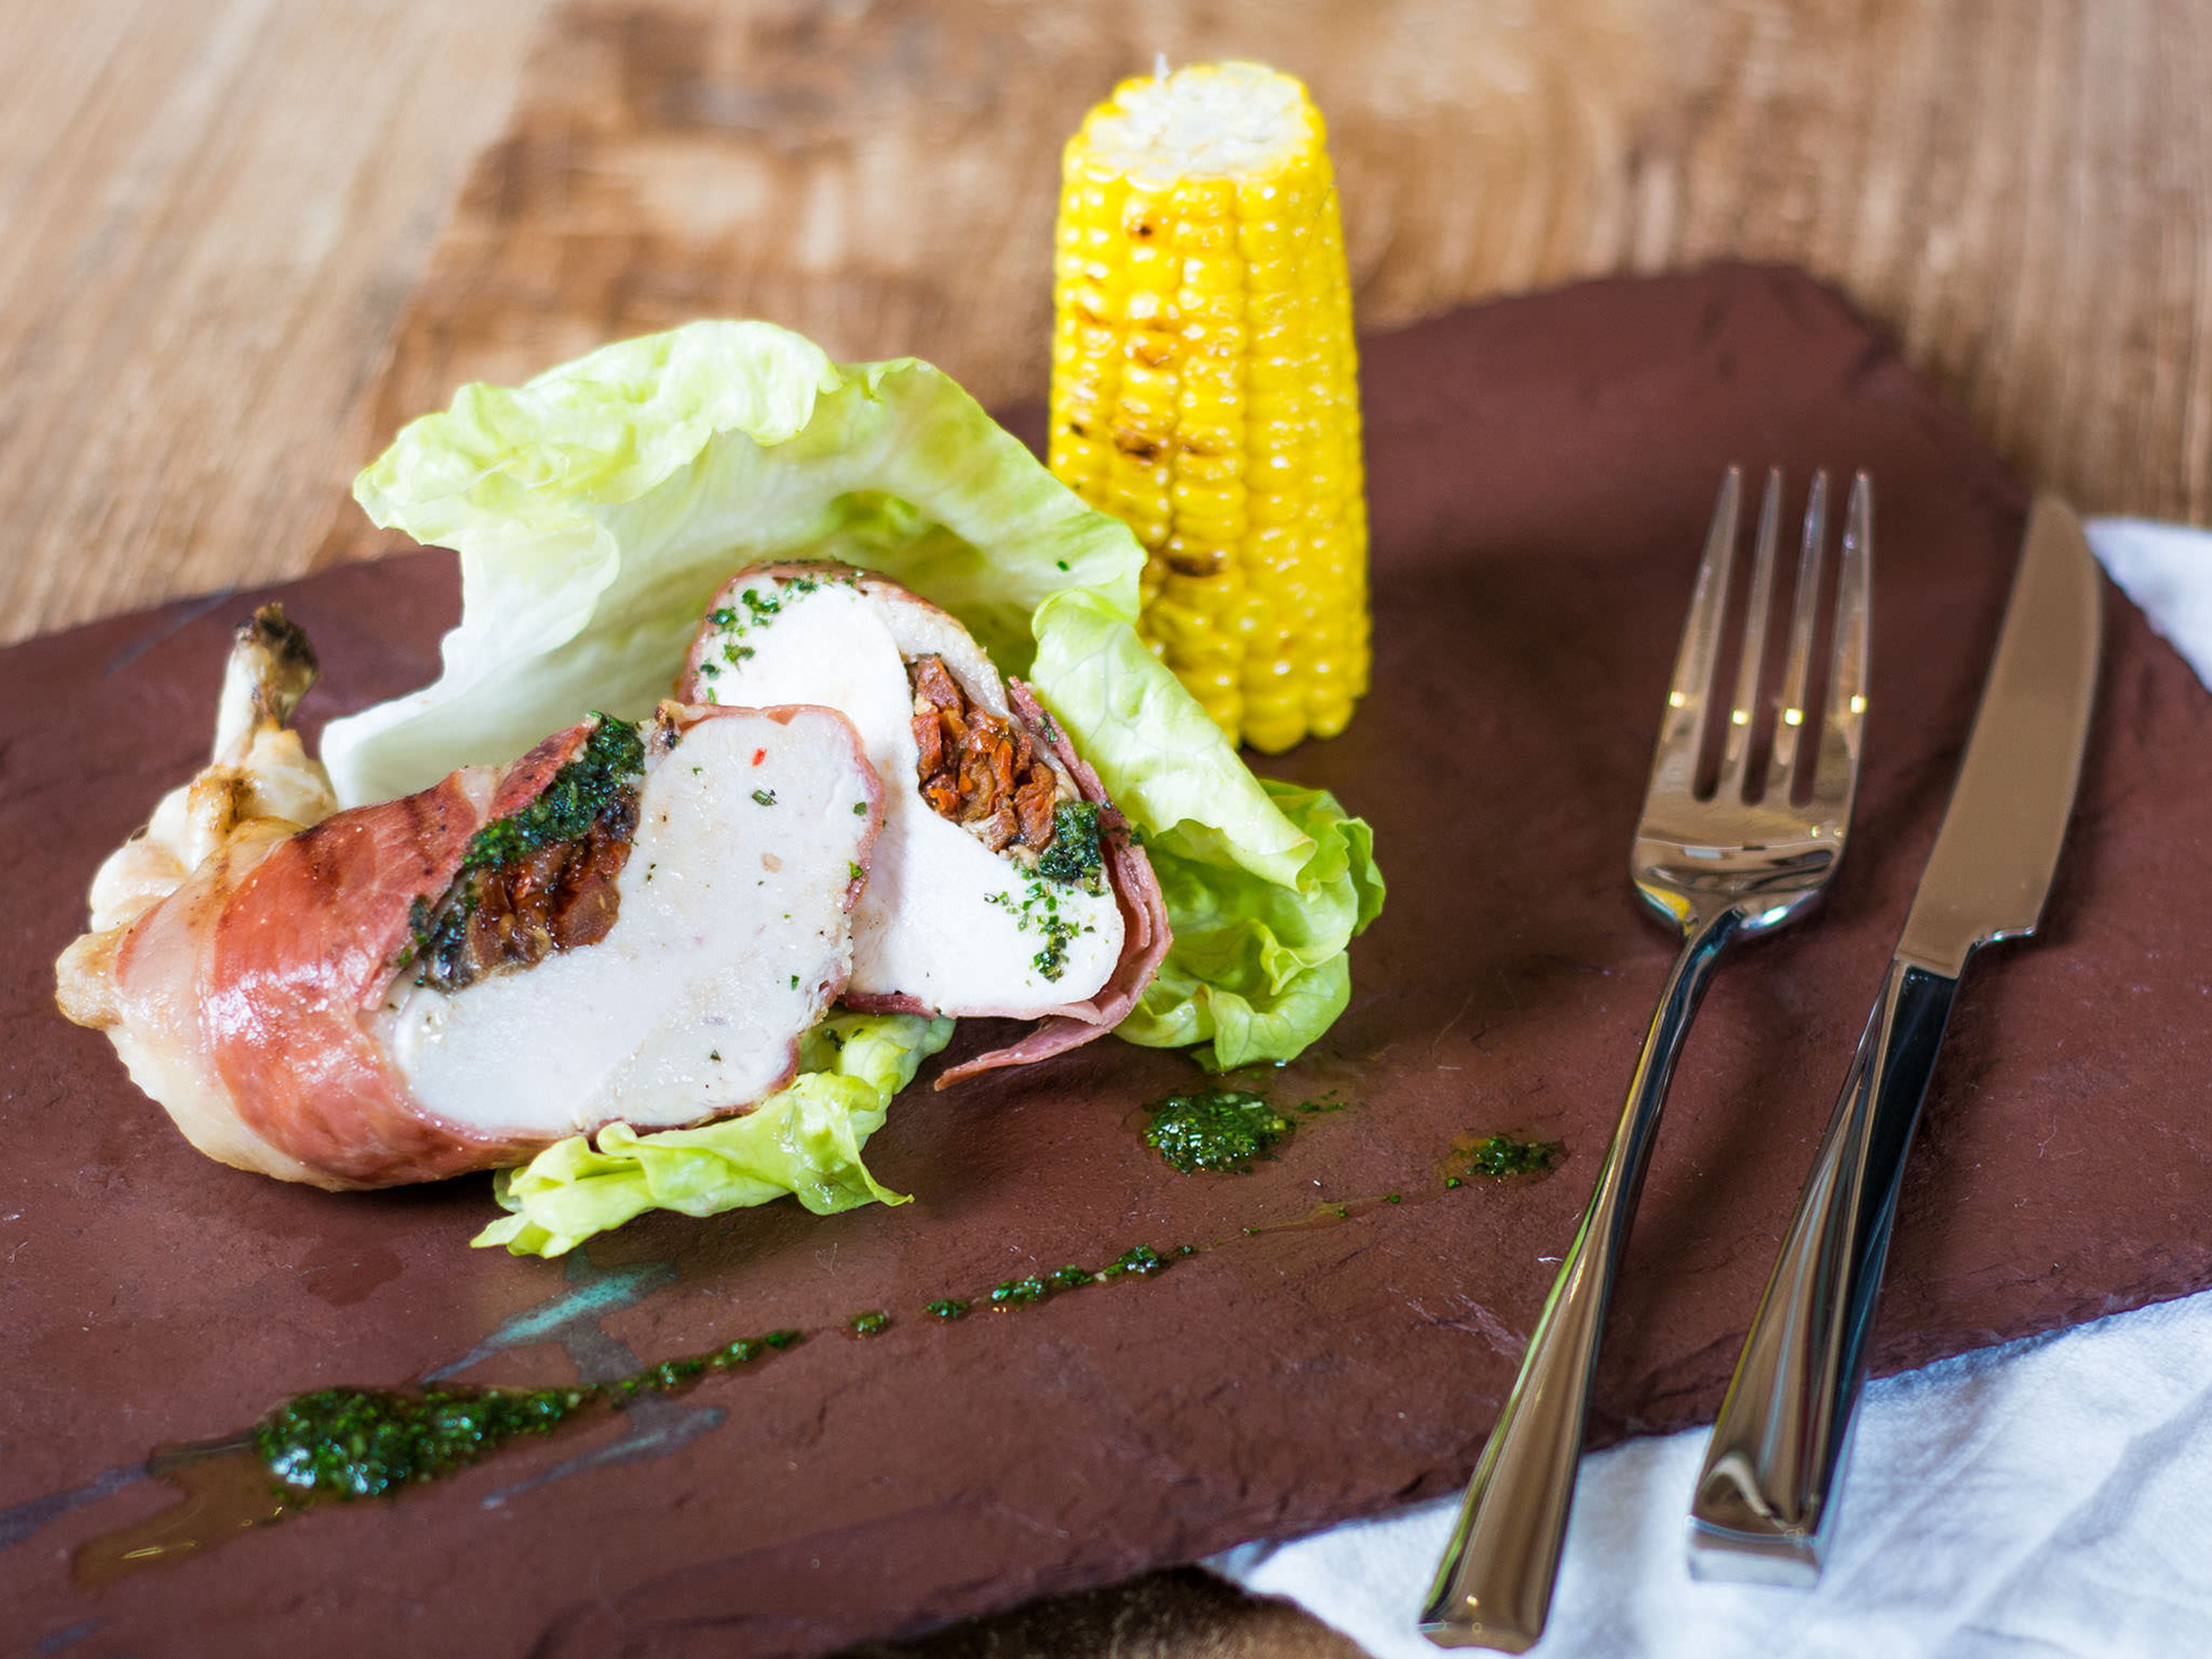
(1718, 869)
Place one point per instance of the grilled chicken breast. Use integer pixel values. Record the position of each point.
(1005, 883)
(632, 923)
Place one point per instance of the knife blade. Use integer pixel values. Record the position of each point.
(1765, 1504)
(1994, 855)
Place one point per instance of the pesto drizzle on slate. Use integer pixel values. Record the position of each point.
(345, 1444)
(1141, 1260)
(341, 1444)
(1500, 1157)
(363, 1443)
(348, 1443)
(1220, 1130)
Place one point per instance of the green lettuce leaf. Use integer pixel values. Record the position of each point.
(597, 509)
(805, 1140)
(1259, 970)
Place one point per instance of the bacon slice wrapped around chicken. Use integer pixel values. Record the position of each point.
(632, 923)
(1005, 883)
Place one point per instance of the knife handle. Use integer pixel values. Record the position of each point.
(1764, 1506)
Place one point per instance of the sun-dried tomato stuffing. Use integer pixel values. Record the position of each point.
(979, 768)
(516, 911)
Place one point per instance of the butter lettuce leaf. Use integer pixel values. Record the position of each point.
(597, 509)
(803, 1140)
(1258, 969)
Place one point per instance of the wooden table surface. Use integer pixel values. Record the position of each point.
(240, 241)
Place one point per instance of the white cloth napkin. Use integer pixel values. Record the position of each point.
(2047, 1498)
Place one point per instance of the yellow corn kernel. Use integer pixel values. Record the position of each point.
(1205, 388)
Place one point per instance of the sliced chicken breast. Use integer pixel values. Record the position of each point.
(1005, 883)
(625, 923)
(729, 937)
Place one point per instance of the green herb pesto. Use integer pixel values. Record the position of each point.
(601, 782)
(1073, 858)
(364, 1443)
(339, 1445)
(756, 608)
(612, 761)
(345, 1444)
(1139, 1259)
(760, 609)
(439, 930)
(1501, 1156)
(1019, 1292)
(663, 1378)
(1220, 1130)
(1038, 911)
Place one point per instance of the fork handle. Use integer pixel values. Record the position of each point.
(1764, 1509)
(1493, 1587)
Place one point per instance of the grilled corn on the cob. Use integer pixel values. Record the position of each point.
(1204, 388)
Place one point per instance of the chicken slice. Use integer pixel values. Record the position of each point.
(731, 937)
(1005, 883)
(617, 926)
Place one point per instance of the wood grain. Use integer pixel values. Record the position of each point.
(213, 215)
(2024, 193)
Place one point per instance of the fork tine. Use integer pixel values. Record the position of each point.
(1681, 735)
(1804, 608)
(1743, 707)
(1836, 781)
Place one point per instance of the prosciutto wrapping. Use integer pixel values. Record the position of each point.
(1005, 883)
(626, 923)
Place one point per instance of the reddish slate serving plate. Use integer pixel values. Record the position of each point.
(1542, 469)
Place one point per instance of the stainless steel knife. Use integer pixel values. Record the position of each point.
(1766, 1499)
